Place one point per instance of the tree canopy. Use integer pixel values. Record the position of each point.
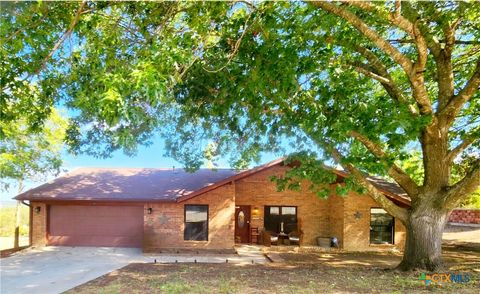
(362, 83)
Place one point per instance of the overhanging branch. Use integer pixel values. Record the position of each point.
(67, 33)
(399, 175)
(364, 29)
(414, 71)
(387, 204)
(377, 70)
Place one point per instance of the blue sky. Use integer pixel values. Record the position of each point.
(151, 157)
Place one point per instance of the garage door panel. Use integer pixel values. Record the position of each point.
(107, 241)
(75, 225)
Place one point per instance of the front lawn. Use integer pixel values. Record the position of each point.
(300, 273)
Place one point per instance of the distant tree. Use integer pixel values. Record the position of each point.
(27, 155)
(356, 82)
(414, 167)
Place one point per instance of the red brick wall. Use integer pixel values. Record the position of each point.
(467, 216)
(39, 225)
(257, 190)
(163, 229)
(318, 217)
(357, 224)
(336, 219)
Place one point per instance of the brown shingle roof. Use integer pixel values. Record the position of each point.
(126, 184)
(144, 184)
(390, 189)
(385, 185)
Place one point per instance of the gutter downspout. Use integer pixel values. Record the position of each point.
(29, 222)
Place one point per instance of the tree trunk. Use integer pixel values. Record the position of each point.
(16, 242)
(423, 245)
(16, 237)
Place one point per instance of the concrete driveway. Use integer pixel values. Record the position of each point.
(57, 269)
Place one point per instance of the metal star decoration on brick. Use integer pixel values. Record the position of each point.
(358, 215)
(163, 219)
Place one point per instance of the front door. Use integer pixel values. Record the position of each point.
(242, 224)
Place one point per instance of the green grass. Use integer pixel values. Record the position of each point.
(7, 221)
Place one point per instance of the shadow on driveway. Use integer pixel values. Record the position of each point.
(57, 269)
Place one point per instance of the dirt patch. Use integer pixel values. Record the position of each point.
(9, 252)
(332, 259)
(299, 273)
(469, 235)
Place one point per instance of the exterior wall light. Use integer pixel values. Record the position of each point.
(38, 209)
(149, 210)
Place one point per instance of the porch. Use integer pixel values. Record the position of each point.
(278, 226)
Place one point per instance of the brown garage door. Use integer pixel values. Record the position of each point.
(116, 226)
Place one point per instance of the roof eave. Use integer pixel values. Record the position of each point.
(131, 200)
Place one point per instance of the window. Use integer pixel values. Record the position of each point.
(276, 215)
(274, 210)
(381, 227)
(196, 223)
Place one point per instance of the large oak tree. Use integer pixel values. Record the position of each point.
(357, 82)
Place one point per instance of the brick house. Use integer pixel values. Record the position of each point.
(160, 209)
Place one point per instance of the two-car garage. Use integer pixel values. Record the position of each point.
(112, 207)
(88, 225)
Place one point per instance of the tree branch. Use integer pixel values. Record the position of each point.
(443, 59)
(64, 36)
(56, 46)
(451, 110)
(413, 71)
(363, 28)
(464, 187)
(388, 84)
(457, 150)
(234, 51)
(363, 69)
(398, 9)
(415, 75)
(387, 204)
(449, 32)
(457, 42)
(399, 175)
(380, 69)
(32, 24)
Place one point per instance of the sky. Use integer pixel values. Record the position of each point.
(148, 157)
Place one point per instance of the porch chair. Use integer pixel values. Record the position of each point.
(269, 238)
(294, 237)
(296, 234)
